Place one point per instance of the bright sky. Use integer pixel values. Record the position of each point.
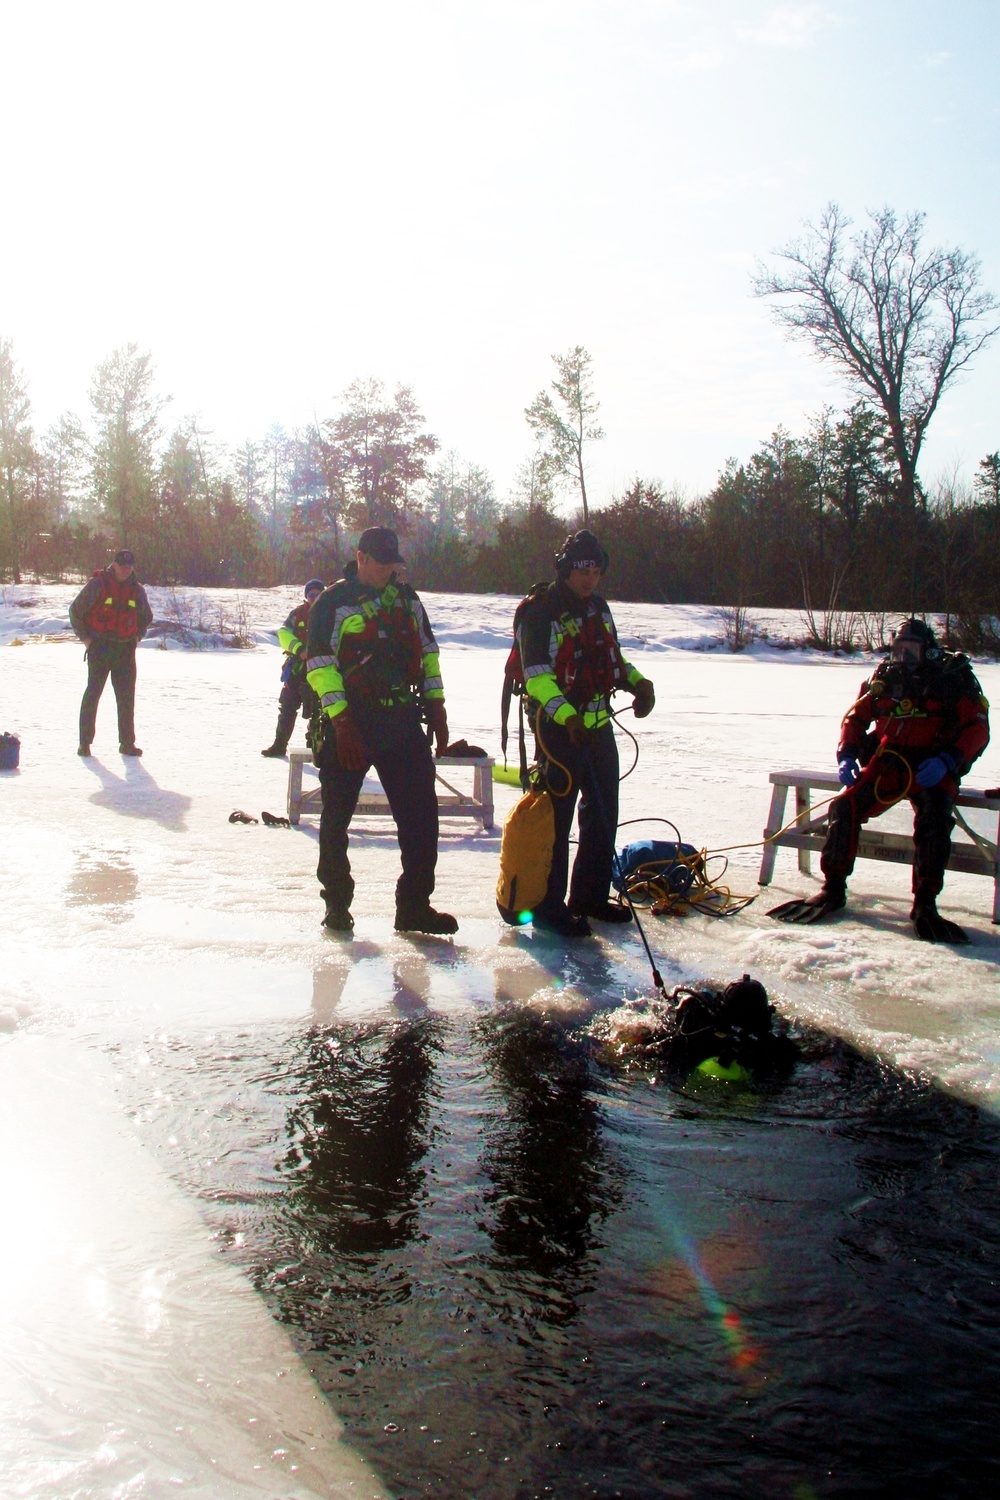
(277, 199)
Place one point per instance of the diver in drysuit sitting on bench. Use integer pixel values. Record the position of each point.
(931, 722)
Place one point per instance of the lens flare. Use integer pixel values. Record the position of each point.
(743, 1354)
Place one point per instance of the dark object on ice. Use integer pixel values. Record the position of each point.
(239, 816)
(423, 918)
(932, 927)
(83, 750)
(129, 749)
(732, 1027)
(275, 751)
(832, 897)
(608, 911)
(462, 750)
(338, 919)
(10, 751)
(563, 922)
(674, 864)
(270, 821)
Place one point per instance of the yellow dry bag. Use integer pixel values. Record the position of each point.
(529, 834)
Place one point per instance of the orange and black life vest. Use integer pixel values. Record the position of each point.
(116, 611)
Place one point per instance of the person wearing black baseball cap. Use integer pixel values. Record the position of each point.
(373, 663)
(295, 691)
(111, 614)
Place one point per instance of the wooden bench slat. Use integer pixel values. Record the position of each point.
(452, 803)
(809, 836)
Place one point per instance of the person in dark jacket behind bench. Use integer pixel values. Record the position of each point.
(111, 614)
(295, 691)
(572, 663)
(931, 722)
(372, 661)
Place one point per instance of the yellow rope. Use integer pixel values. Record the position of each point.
(551, 758)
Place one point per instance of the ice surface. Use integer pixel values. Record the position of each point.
(133, 910)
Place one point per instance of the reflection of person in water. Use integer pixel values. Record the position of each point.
(359, 1131)
(553, 1178)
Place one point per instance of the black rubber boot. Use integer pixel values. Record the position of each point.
(609, 911)
(562, 922)
(931, 927)
(425, 919)
(129, 750)
(277, 751)
(338, 919)
(832, 897)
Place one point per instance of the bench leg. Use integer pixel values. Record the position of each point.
(482, 791)
(775, 819)
(294, 790)
(802, 806)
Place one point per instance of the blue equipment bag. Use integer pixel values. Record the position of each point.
(675, 864)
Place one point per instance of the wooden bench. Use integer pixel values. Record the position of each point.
(809, 832)
(452, 802)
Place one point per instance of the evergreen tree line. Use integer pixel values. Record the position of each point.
(820, 522)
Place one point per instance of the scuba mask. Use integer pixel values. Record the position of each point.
(907, 652)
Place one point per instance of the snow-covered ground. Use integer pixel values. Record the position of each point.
(134, 911)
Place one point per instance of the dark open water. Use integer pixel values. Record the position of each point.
(517, 1272)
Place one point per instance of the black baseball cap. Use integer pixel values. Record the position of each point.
(125, 558)
(380, 543)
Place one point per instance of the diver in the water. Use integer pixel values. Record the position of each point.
(931, 722)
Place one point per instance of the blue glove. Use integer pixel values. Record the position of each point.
(850, 770)
(933, 771)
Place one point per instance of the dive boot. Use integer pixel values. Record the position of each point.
(932, 927)
(425, 919)
(608, 911)
(832, 897)
(563, 922)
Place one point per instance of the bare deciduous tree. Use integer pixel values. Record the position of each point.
(563, 427)
(900, 322)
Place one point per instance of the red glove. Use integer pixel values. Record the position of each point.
(352, 753)
(644, 699)
(437, 718)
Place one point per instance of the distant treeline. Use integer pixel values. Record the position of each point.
(815, 522)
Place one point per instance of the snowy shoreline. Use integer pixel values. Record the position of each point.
(206, 618)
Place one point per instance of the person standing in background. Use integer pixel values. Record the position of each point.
(111, 614)
(295, 690)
